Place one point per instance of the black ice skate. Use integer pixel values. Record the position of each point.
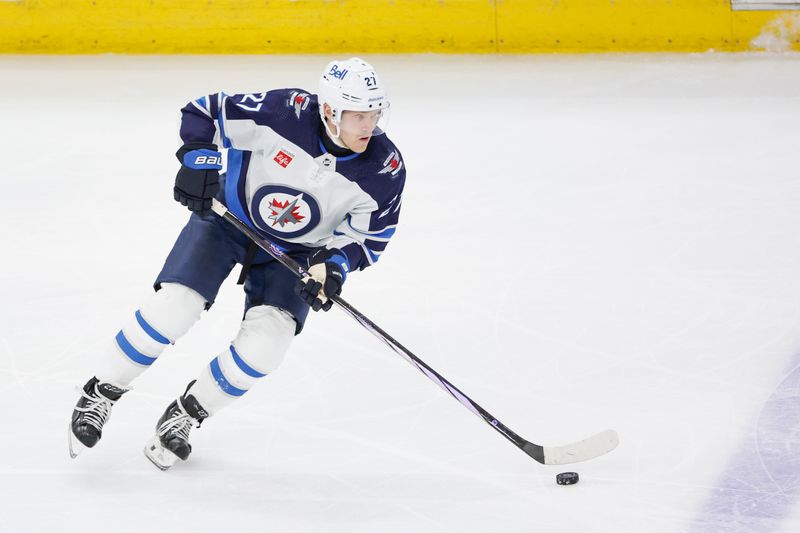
(91, 413)
(171, 441)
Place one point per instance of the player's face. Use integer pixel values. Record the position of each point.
(356, 128)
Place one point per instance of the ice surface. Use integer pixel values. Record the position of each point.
(586, 242)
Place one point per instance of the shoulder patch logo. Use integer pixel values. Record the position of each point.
(392, 164)
(299, 101)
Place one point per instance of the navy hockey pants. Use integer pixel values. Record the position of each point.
(207, 250)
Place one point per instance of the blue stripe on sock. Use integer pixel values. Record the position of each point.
(135, 355)
(247, 369)
(222, 381)
(150, 330)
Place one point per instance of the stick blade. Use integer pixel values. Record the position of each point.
(583, 450)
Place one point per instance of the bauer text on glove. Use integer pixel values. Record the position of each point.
(197, 182)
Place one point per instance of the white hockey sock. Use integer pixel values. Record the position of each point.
(165, 317)
(258, 349)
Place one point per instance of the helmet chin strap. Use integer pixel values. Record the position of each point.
(335, 138)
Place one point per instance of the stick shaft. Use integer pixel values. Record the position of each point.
(534, 450)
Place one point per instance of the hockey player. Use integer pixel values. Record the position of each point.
(314, 174)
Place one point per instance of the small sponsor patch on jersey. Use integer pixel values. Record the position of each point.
(283, 157)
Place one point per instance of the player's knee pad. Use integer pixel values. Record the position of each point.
(264, 337)
(257, 350)
(172, 310)
(165, 317)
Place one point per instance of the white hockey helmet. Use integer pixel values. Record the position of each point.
(352, 85)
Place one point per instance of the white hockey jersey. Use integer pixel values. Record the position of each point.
(283, 181)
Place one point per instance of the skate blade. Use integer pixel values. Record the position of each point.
(75, 446)
(158, 455)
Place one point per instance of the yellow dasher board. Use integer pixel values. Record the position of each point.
(356, 27)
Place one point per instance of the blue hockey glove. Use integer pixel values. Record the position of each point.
(328, 269)
(197, 182)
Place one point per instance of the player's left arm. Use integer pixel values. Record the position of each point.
(359, 241)
(364, 234)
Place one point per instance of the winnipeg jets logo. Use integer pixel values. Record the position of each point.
(286, 212)
(392, 164)
(299, 101)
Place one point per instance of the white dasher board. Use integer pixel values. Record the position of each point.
(764, 5)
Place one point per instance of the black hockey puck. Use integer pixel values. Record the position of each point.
(567, 478)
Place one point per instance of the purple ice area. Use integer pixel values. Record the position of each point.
(759, 486)
(586, 243)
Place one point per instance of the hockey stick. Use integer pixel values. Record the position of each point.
(583, 450)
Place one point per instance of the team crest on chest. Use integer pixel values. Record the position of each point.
(299, 101)
(392, 164)
(284, 211)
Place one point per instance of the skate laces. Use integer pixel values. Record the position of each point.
(97, 409)
(179, 424)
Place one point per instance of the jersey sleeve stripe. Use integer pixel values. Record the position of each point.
(237, 169)
(213, 107)
(201, 106)
(221, 121)
(381, 234)
(376, 246)
(372, 256)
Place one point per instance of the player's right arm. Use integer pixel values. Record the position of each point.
(197, 181)
(240, 121)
